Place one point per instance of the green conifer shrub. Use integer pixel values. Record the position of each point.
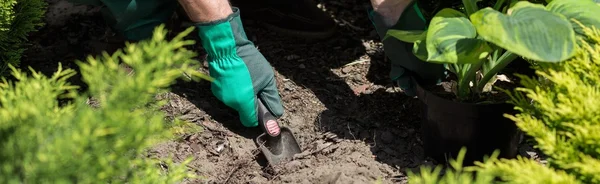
(560, 109)
(18, 18)
(48, 134)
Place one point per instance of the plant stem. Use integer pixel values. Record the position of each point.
(452, 67)
(463, 82)
(498, 4)
(470, 6)
(502, 62)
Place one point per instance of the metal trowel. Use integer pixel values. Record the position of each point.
(279, 147)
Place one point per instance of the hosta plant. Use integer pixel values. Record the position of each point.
(559, 108)
(478, 43)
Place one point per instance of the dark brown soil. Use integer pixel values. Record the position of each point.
(338, 86)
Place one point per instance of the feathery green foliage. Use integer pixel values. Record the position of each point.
(560, 109)
(45, 141)
(18, 18)
(492, 170)
(6, 13)
(564, 116)
(459, 175)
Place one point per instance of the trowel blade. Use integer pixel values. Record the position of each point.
(279, 149)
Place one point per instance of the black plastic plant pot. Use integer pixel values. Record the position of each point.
(482, 128)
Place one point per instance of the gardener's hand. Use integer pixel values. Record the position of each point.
(405, 65)
(240, 71)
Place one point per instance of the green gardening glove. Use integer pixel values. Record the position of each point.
(405, 65)
(240, 71)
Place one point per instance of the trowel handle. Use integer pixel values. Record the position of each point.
(264, 115)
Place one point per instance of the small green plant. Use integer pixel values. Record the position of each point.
(458, 174)
(18, 18)
(492, 170)
(560, 109)
(479, 43)
(50, 134)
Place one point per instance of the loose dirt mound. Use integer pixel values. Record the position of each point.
(336, 87)
(224, 156)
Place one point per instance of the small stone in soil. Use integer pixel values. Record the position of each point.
(301, 66)
(288, 86)
(293, 165)
(207, 135)
(532, 154)
(357, 78)
(346, 70)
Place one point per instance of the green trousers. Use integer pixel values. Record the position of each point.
(134, 19)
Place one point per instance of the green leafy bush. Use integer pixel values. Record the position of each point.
(564, 117)
(560, 109)
(17, 19)
(49, 134)
(479, 43)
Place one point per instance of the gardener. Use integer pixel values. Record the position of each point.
(239, 69)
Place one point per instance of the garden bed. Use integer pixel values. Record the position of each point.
(338, 86)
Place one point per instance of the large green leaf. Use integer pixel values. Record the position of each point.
(405, 35)
(420, 49)
(586, 12)
(529, 30)
(451, 38)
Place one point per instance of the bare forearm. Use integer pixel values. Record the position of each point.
(201, 11)
(391, 10)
